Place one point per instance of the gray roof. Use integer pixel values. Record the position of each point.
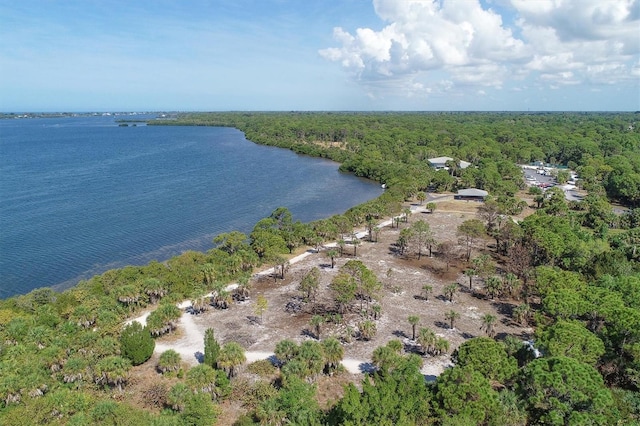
(472, 192)
(442, 160)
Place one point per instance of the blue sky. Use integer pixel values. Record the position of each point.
(219, 55)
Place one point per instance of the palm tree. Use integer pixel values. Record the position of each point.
(450, 290)
(385, 358)
(470, 273)
(202, 379)
(396, 220)
(426, 291)
(168, 362)
(341, 243)
(377, 310)
(441, 346)
(367, 329)
(488, 324)
(154, 288)
(286, 350)
(333, 353)
(451, 316)
(112, 371)
(231, 356)
(178, 395)
(316, 322)
(494, 284)
(521, 314)
(421, 196)
(208, 273)
(431, 207)
(406, 212)
(332, 254)
(511, 283)
(413, 320)
(426, 339)
(356, 242)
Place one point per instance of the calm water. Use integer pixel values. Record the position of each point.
(81, 195)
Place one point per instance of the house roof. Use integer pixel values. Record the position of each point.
(443, 160)
(472, 192)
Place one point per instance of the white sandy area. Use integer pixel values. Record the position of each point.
(190, 344)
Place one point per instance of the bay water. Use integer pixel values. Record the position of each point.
(81, 195)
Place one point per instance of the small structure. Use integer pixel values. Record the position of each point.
(439, 163)
(472, 194)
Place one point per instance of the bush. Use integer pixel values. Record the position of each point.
(136, 343)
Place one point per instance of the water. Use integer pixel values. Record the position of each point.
(80, 195)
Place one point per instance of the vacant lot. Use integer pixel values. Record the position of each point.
(403, 278)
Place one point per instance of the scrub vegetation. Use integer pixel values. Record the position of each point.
(568, 272)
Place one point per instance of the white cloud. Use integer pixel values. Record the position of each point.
(555, 42)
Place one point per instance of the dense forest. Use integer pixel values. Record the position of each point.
(66, 358)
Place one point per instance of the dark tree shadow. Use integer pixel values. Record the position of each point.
(466, 335)
(400, 334)
(430, 378)
(502, 308)
(366, 367)
(441, 324)
(253, 319)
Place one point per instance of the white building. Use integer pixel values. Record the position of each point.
(439, 163)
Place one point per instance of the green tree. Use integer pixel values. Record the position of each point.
(422, 236)
(178, 395)
(316, 322)
(332, 254)
(261, 306)
(426, 339)
(413, 320)
(333, 353)
(426, 291)
(202, 379)
(231, 357)
(169, 362)
(450, 290)
(469, 232)
(286, 350)
(367, 329)
(310, 283)
(451, 316)
(470, 273)
(112, 371)
(494, 286)
(571, 339)
(465, 396)
(488, 357)
(136, 343)
(198, 411)
(211, 348)
(561, 390)
(489, 324)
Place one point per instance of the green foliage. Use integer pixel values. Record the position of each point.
(294, 404)
(397, 396)
(488, 357)
(560, 390)
(463, 393)
(169, 361)
(570, 339)
(211, 348)
(136, 343)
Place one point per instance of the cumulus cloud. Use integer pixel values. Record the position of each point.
(428, 46)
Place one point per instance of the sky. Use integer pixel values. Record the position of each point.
(306, 55)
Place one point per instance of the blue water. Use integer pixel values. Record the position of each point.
(80, 195)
